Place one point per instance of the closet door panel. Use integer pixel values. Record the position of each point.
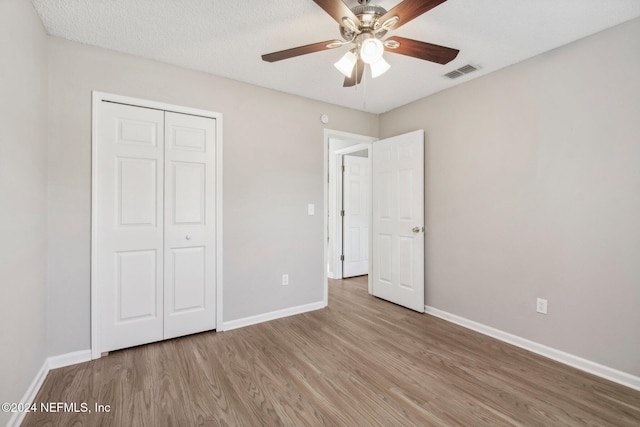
(189, 273)
(189, 241)
(130, 225)
(188, 191)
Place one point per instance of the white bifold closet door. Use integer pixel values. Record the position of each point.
(189, 233)
(156, 225)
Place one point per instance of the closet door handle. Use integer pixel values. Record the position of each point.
(188, 237)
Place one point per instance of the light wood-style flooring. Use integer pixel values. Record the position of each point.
(360, 362)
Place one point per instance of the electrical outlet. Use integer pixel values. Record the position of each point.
(285, 279)
(541, 306)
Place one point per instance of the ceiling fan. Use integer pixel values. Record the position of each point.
(365, 26)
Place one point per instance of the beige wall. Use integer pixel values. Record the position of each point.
(273, 166)
(533, 190)
(23, 187)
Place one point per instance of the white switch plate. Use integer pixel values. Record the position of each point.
(285, 279)
(541, 306)
(311, 209)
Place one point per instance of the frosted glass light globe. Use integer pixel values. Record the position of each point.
(371, 50)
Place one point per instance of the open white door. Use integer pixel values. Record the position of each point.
(398, 220)
(355, 225)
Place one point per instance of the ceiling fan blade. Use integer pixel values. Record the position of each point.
(409, 9)
(356, 75)
(301, 50)
(422, 50)
(338, 10)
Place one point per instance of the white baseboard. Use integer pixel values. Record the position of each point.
(594, 368)
(30, 395)
(252, 320)
(69, 359)
(50, 363)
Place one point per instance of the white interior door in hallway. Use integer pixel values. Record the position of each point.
(156, 225)
(355, 219)
(398, 220)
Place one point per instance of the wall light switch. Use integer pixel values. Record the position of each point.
(311, 209)
(541, 306)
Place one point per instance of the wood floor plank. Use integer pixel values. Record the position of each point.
(360, 362)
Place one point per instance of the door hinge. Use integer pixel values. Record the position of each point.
(341, 257)
(342, 168)
(342, 212)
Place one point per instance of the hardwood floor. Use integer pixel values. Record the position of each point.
(361, 361)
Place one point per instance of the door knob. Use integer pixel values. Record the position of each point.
(188, 236)
(416, 229)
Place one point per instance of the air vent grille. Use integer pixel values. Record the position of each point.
(454, 74)
(466, 69)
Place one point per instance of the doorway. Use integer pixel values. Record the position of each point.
(351, 212)
(354, 222)
(334, 142)
(396, 225)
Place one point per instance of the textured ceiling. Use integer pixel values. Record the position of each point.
(227, 38)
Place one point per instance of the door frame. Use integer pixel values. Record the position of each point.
(329, 156)
(339, 236)
(97, 99)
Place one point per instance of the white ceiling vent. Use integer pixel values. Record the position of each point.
(466, 69)
(454, 74)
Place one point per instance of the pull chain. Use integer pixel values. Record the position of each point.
(364, 85)
(364, 91)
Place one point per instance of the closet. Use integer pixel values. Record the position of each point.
(155, 224)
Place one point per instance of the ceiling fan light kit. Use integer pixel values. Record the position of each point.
(364, 26)
(346, 63)
(379, 67)
(371, 49)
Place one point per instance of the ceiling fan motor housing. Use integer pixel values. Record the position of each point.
(368, 16)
